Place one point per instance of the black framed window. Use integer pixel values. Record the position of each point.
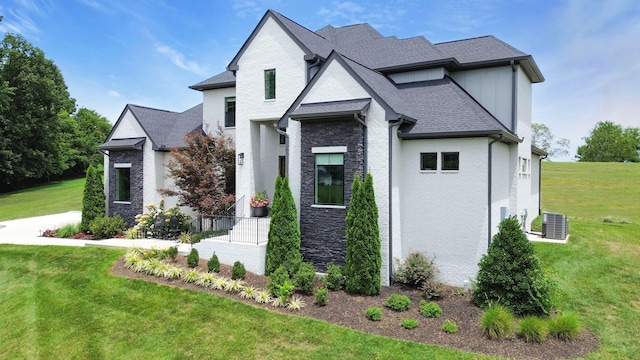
(123, 184)
(270, 84)
(329, 179)
(450, 161)
(230, 111)
(429, 161)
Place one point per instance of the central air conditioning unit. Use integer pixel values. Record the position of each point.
(554, 226)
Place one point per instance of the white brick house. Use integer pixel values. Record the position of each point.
(443, 128)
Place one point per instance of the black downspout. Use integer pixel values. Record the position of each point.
(390, 196)
(490, 187)
(514, 124)
(540, 184)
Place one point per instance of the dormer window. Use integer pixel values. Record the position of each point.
(270, 84)
(230, 111)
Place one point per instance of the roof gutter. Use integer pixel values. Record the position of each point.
(490, 187)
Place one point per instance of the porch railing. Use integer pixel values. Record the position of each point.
(251, 230)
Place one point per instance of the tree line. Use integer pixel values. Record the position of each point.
(42, 135)
(606, 142)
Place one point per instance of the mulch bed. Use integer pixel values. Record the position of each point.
(348, 311)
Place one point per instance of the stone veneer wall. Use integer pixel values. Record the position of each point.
(127, 211)
(323, 229)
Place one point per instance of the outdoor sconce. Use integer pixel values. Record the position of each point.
(240, 158)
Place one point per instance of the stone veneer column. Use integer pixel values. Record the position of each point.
(323, 229)
(127, 211)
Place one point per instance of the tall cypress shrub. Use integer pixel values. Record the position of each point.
(363, 259)
(510, 274)
(93, 199)
(283, 247)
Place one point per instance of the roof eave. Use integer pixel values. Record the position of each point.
(537, 151)
(496, 134)
(223, 85)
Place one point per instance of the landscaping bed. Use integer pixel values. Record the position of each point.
(349, 311)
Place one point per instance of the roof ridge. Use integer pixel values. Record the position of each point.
(461, 40)
(296, 23)
(150, 108)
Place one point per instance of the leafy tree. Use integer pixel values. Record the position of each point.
(363, 260)
(510, 274)
(204, 172)
(542, 138)
(609, 142)
(32, 94)
(93, 130)
(93, 199)
(283, 247)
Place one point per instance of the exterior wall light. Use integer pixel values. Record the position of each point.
(240, 158)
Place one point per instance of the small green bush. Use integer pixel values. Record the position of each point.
(322, 296)
(69, 230)
(565, 327)
(277, 279)
(449, 327)
(334, 277)
(238, 271)
(430, 309)
(107, 227)
(172, 252)
(397, 302)
(304, 278)
(285, 290)
(409, 323)
(533, 329)
(497, 322)
(193, 258)
(213, 264)
(374, 313)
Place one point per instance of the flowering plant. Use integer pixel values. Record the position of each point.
(259, 200)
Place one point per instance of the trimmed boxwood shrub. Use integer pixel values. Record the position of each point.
(238, 271)
(304, 278)
(397, 302)
(105, 227)
(334, 277)
(322, 296)
(510, 274)
(374, 313)
(430, 309)
(193, 258)
(409, 323)
(277, 279)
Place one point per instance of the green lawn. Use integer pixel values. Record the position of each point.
(60, 302)
(53, 198)
(598, 270)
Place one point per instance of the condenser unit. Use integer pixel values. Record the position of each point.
(554, 226)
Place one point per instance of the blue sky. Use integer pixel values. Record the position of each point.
(114, 52)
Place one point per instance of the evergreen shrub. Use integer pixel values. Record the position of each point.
(374, 313)
(304, 278)
(193, 258)
(409, 323)
(93, 199)
(213, 264)
(322, 296)
(334, 277)
(430, 309)
(105, 227)
(397, 302)
(283, 247)
(510, 274)
(238, 271)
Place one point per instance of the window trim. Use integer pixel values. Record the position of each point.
(118, 166)
(228, 100)
(267, 86)
(422, 168)
(338, 150)
(442, 160)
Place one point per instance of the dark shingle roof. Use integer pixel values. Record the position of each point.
(443, 109)
(167, 129)
(331, 108)
(222, 80)
(123, 144)
(480, 49)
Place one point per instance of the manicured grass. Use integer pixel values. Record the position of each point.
(597, 271)
(592, 190)
(61, 302)
(53, 198)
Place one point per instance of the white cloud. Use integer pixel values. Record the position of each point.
(179, 60)
(114, 93)
(379, 16)
(248, 8)
(19, 21)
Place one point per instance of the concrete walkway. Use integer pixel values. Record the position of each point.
(27, 232)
